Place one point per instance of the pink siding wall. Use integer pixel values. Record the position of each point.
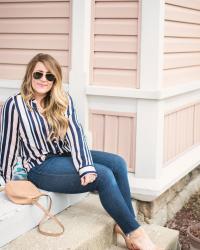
(181, 130)
(114, 43)
(114, 132)
(197, 124)
(29, 27)
(182, 42)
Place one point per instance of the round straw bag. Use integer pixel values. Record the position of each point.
(25, 193)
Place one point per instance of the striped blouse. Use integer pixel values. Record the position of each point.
(24, 137)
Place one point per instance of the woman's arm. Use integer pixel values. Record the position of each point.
(79, 149)
(9, 138)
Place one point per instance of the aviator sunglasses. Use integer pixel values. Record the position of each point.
(38, 75)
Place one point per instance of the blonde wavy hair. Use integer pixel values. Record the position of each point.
(55, 102)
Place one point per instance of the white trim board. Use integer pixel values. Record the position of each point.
(161, 94)
(91, 90)
(10, 84)
(147, 189)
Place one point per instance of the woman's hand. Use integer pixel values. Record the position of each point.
(88, 178)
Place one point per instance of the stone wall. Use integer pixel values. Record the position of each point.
(170, 202)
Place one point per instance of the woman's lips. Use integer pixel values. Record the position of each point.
(41, 85)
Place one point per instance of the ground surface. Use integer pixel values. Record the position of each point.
(187, 216)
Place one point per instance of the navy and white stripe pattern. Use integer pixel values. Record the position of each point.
(24, 136)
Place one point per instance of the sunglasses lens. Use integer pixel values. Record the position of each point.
(37, 75)
(50, 77)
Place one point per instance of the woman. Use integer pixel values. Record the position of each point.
(40, 130)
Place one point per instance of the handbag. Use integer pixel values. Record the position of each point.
(25, 193)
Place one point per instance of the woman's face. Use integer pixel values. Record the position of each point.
(41, 85)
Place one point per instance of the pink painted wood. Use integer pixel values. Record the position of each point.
(181, 131)
(197, 123)
(114, 132)
(114, 55)
(182, 42)
(31, 27)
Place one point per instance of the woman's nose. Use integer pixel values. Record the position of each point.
(43, 77)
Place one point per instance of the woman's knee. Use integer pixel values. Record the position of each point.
(105, 177)
(120, 164)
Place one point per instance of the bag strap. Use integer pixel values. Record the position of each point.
(47, 214)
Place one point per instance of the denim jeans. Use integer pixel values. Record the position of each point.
(58, 174)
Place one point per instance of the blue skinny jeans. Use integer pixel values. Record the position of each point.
(58, 174)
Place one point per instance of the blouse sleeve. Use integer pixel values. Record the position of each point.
(9, 138)
(80, 152)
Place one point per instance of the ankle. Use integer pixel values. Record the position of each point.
(141, 239)
(137, 233)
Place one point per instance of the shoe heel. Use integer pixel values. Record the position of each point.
(114, 238)
(115, 232)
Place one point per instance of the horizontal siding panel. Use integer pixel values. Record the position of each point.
(115, 60)
(181, 75)
(180, 44)
(111, 77)
(182, 40)
(13, 72)
(39, 25)
(117, 10)
(23, 56)
(177, 29)
(194, 4)
(34, 41)
(34, 9)
(177, 60)
(197, 124)
(180, 14)
(115, 43)
(30, 27)
(115, 27)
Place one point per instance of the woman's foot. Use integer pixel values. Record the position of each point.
(129, 244)
(141, 240)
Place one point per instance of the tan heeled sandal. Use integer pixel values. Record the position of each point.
(141, 239)
(135, 236)
(117, 230)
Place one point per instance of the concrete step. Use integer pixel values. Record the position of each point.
(163, 237)
(16, 220)
(113, 247)
(87, 227)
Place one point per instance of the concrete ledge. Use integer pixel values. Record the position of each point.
(87, 227)
(16, 220)
(164, 237)
(147, 189)
(170, 202)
